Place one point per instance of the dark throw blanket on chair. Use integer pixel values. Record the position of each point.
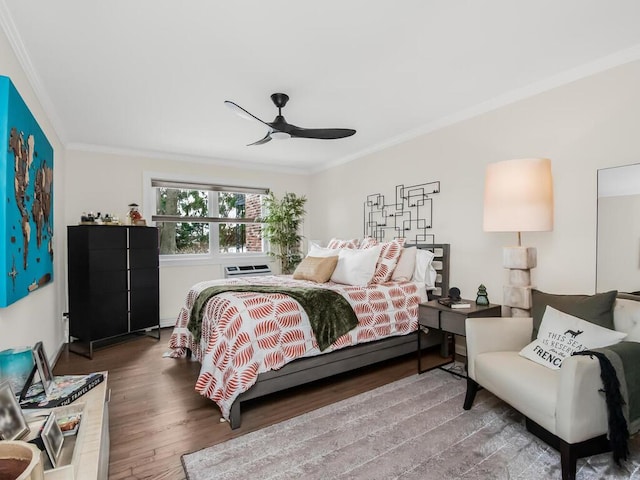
(620, 373)
(329, 313)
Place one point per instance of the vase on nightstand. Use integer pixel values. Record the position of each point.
(482, 298)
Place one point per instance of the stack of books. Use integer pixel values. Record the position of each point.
(66, 389)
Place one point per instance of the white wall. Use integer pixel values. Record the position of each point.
(38, 316)
(107, 183)
(582, 126)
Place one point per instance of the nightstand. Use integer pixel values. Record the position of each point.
(451, 321)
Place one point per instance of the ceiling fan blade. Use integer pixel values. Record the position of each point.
(267, 138)
(242, 112)
(281, 129)
(321, 133)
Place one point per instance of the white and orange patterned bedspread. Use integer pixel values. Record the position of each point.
(245, 334)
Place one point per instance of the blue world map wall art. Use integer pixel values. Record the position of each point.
(26, 190)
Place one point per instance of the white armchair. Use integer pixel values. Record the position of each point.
(564, 407)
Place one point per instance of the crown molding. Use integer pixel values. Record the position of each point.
(605, 63)
(178, 157)
(11, 31)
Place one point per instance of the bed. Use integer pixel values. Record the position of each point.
(252, 343)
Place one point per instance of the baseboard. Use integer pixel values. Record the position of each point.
(461, 350)
(53, 362)
(167, 322)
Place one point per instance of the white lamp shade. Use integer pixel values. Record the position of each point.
(518, 196)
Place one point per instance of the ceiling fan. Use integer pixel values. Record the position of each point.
(280, 129)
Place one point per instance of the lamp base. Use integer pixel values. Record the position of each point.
(517, 294)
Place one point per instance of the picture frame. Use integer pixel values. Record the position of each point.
(13, 425)
(44, 369)
(52, 439)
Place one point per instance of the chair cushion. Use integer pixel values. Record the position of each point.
(527, 386)
(596, 308)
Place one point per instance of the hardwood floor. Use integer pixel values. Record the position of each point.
(156, 416)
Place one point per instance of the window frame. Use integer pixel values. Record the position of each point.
(214, 257)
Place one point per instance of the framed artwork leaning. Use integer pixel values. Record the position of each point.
(13, 425)
(44, 369)
(52, 439)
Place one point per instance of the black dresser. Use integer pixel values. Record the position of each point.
(113, 283)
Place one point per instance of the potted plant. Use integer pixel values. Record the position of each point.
(281, 225)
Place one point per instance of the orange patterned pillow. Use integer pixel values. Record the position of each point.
(389, 255)
(337, 243)
(368, 242)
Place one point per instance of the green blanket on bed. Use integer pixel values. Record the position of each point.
(329, 313)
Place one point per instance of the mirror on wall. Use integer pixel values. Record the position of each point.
(618, 236)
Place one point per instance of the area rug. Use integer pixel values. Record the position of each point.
(411, 429)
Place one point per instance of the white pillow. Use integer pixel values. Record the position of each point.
(561, 334)
(317, 251)
(405, 266)
(423, 273)
(356, 267)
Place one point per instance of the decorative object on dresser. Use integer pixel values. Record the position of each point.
(518, 197)
(410, 216)
(387, 320)
(134, 217)
(113, 283)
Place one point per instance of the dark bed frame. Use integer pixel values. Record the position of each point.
(305, 370)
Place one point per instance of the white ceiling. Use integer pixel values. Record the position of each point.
(151, 75)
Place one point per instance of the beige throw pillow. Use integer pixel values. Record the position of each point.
(405, 266)
(316, 269)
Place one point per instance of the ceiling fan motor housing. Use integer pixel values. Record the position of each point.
(279, 99)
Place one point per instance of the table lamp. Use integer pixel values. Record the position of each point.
(518, 197)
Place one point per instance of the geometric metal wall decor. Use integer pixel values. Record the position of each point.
(26, 191)
(410, 216)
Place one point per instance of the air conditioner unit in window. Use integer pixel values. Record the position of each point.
(231, 271)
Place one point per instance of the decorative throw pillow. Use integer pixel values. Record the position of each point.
(356, 267)
(316, 251)
(405, 266)
(424, 272)
(316, 269)
(597, 309)
(337, 243)
(368, 242)
(561, 334)
(389, 255)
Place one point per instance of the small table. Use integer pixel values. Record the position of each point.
(451, 321)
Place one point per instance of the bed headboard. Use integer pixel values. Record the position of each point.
(441, 264)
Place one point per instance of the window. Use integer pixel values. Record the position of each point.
(198, 220)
